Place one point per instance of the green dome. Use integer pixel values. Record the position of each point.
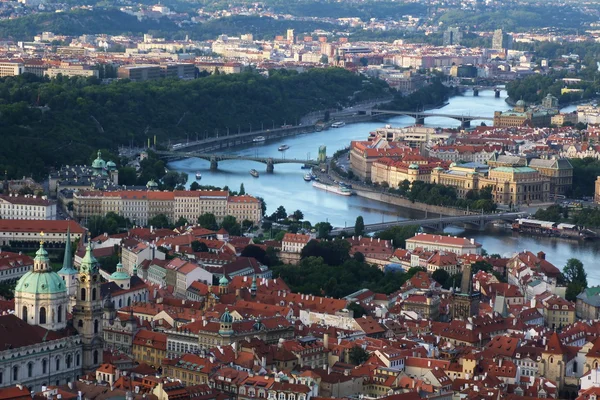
(111, 165)
(99, 163)
(89, 264)
(119, 274)
(223, 281)
(520, 103)
(226, 317)
(438, 169)
(45, 282)
(413, 166)
(152, 184)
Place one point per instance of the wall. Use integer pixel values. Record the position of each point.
(399, 201)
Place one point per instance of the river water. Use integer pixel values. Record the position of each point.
(286, 187)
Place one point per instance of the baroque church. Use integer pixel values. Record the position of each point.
(55, 335)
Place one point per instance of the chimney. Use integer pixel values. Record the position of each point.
(472, 241)
(500, 362)
(326, 340)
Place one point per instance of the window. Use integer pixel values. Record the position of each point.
(77, 359)
(68, 361)
(95, 326)
(94, 294)
(15, 373)
(80, 323)
(83, 294)
(57, 364)
(42, 315)
(25, 313)
(95, 356)
(59, 314)
(44, 366)
(30, 370)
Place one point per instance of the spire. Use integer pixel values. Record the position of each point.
(67, 268)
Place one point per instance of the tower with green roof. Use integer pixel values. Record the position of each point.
(68, 273)
(41, 295)
(226, 324)
(88, 311)
(99, 165)
(120, 277)
(223, 285)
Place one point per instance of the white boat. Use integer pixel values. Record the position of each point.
(198, 176)
(258, 139)
(254, 173)
(338, 124)
(333, 189)
(283, 147)
(308, 177)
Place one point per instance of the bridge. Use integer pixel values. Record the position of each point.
(419, 116)
(216, 158)
(478, 221)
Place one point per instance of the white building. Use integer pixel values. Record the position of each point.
(14, 265)
(54, 231)
(450, 244)
(26, 207)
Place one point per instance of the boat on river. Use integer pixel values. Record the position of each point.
(258, 139)
(283, 147)
(308, 177)
(254, 173)
(342, 191)
(338, 124)
(198, 176)
(553, 229)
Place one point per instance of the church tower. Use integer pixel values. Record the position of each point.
(88, 311)
(68, 273)
(466, 303)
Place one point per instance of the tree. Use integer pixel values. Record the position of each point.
(263, 205)
(199, 247)
(357, 309)
(231, 225)
(242, 189)
(398, 234)
(159, 221)
(208, 221)
(359, 226)
(441, 276)
(279, 214)
(481, 266)
(298, 215)
(182, 221)
(255, 252)
(575, 277)
(194, 186)
(173, 179)
(360, 257)
(323, 229)
(358, 355)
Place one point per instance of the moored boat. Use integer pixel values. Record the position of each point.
(338, 124)
(258, 139)
(308, 177)
(333, 189)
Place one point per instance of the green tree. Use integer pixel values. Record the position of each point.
(441, 276)
(127, 176)
(358, 355)
(231, 225)
(182, 222)
(323, 229)
(279, 214)
(575, 277)
(255, 252)
(199, 247)
(359, 226)
(358, 256)
(398, 234)
(298, 215)
(208, 221)
(357, 309)
(242, 189)
(194, 186)
(159, 221)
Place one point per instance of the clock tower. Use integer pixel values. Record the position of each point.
(88, 312)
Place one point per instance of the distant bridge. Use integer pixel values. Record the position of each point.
(216, 158)
(419, 116)
(478, 221)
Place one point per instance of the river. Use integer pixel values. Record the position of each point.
(286, 186)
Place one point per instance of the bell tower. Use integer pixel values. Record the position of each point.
(88, 311)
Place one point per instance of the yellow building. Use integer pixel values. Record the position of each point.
(150, 347)
(190, 369)
(520, 116)
(395, 172)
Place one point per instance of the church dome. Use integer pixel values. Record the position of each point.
(226, 317)
(223, 281)
(520, 103)
(119, 274)
(99, 163)
(41, 280)
(413, 166)
(111, 165)
(47, 282)
(151, 184)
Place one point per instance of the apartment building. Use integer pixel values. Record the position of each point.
(11, 68)
(450, 244)
(51, 231)
(26, 207)
(139, 206)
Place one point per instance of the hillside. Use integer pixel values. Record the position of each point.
(82, 115)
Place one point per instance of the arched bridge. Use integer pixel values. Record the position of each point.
(216, 158)
(438, 224)
(419, 116)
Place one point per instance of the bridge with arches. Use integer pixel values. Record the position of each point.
(477, 221)
(419, 116)
(214, 159)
